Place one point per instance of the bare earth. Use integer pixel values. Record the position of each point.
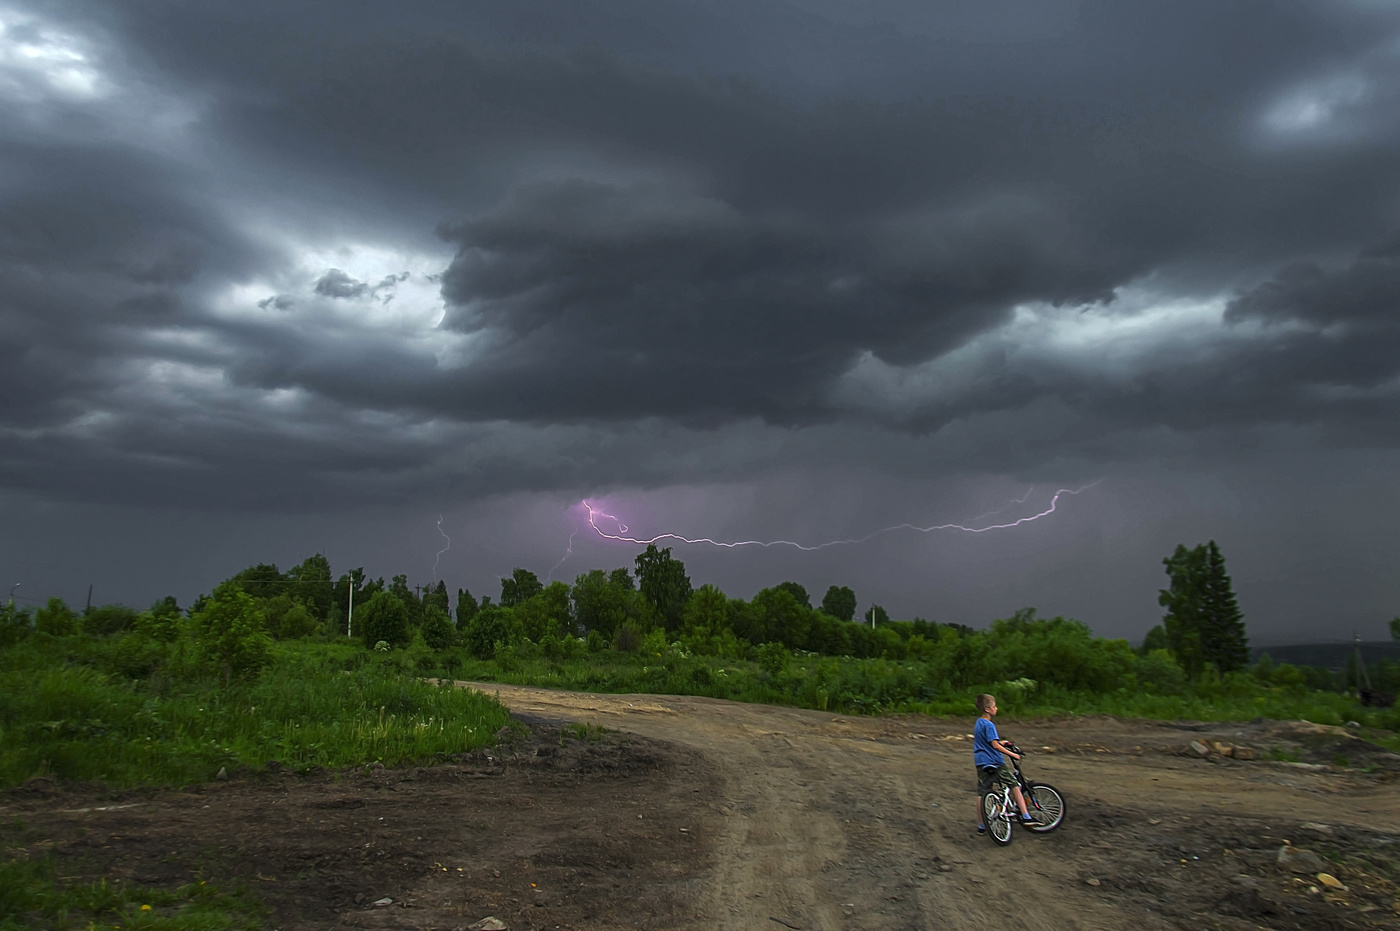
(696, 813)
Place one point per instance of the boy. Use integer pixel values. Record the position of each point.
(992, 770)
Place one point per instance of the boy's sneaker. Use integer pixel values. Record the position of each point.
(981, 829)
(1031, 820)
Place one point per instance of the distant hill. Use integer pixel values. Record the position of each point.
(1330, 655)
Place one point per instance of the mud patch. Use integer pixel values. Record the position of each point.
(542, 831)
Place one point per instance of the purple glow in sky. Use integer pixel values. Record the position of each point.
(621, 529)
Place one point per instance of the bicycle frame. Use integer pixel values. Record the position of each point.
(1000, 811)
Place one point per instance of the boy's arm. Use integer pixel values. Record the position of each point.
(1001, 748)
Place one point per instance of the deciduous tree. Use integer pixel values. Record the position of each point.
(310, 584)
(1183, 598)
(798, 591)
(547, 613)
(839, 602)
(521, 586)
(600, 601)
(261, 581)
(707, 613)
(662, 581)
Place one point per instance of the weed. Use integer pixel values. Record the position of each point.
(588, 733)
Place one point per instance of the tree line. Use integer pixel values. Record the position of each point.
(654, 601)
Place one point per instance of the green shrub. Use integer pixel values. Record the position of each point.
(1158, 672)
(438, 632)
(56, 619)
(773, 657)
(108, 619)
(629, 637)
(295, 623)
(138, 656)
(485, 629)
(163, 627)
(384, 617)
(233, 639)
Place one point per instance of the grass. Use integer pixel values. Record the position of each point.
(68, 717)
(70, 708)
(588, 733)
(879, 686)
(31, 896)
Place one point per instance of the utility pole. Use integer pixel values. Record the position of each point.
(12, 593)
(88, 607)
(1362, 691)
(350, 609)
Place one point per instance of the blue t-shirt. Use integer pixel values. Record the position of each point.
(983, 753)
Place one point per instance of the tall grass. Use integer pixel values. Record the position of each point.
(62, 713)
(875, 686)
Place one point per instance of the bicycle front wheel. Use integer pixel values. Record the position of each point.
(1047, 802)
(997, 818)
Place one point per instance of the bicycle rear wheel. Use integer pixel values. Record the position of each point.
(1049, 804)
(997, 818)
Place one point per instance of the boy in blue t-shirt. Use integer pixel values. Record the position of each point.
(992, 770)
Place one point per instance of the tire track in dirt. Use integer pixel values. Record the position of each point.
(838, 822)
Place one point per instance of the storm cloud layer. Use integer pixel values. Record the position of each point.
(267, 259)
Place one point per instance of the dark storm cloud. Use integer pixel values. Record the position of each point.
(1363, 295)
(671, 215)
(95, 248)
(1337, 352)
(335, 283)
(1313, 345)
(592, 291)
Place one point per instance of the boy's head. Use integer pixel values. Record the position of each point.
(986, 704)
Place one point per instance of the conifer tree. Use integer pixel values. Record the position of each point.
(1203, 622)
(1223, 637)
(466, 607)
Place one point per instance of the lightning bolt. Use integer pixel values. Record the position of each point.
(441, 551)
(1005, 507)
(567, 553)
(594, 515)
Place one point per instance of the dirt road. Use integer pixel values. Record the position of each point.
(826, 821)
(691, 813)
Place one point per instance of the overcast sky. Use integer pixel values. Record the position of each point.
(282, 278)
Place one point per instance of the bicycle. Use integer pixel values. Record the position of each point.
(1044, 802)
